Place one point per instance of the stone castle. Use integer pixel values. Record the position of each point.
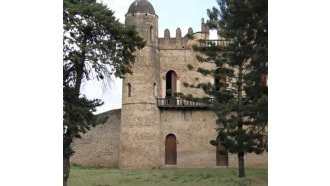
(154, 128)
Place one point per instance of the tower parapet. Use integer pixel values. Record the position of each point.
(180, 42)
(177, 42)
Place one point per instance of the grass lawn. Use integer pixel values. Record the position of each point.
(98, 176)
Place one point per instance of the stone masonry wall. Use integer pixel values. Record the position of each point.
(177, 60)
(251, 160)
(100, 145)
(193, 131)
(139, 137)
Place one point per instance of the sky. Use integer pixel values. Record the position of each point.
(172, 14)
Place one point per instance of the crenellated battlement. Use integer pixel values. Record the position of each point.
(177, 42)
(180, 42)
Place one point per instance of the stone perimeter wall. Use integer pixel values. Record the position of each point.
(193, 131)
(100, 145)
(250, 160)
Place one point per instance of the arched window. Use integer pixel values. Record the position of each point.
(129, 88)
(171, 78)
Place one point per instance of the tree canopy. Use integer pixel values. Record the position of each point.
(95, 43)
(95, 46)
(240, 75)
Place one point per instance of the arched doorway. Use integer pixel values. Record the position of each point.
(170, 150)
(170, 83)
(221, 154)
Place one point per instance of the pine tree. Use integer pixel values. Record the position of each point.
(95, 45)
(240, 89)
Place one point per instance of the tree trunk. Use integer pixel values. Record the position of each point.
(66, 169)
(240, 155)
(80, 72)
(80, 68)
(241, 170)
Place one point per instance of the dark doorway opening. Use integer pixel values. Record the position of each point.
(170, 150)
(170, 83)
(221, 154)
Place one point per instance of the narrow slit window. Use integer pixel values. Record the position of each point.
(155, 89)
(129, 89)
(151, 33)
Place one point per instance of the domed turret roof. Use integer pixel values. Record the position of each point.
(141, 6)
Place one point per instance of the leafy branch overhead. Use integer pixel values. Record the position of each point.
(95, 46)
(95, 43)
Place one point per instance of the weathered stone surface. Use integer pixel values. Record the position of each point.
(99, 146)
(134, 137)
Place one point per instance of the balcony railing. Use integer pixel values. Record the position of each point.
(179, 103)
(210, 43)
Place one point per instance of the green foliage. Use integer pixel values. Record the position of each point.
(178, 94)
(95, 46)
(242, 109)
(95, 43)
(77, 116)
(190, 67)
(203, 71)
(185, 84)
(214, 142)
(189, 36)
(168, 91)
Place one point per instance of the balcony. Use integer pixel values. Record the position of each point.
(179, 103)
(213, 43)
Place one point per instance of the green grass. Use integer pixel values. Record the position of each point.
(98, 176)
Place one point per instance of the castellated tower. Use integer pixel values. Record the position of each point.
(139, 132)
(156, 127)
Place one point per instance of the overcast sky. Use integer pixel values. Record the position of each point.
(171, 14)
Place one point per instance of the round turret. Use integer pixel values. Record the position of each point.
(141, 6)
(142, 14)
(140, 116)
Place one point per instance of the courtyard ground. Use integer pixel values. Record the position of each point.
(112, 176)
